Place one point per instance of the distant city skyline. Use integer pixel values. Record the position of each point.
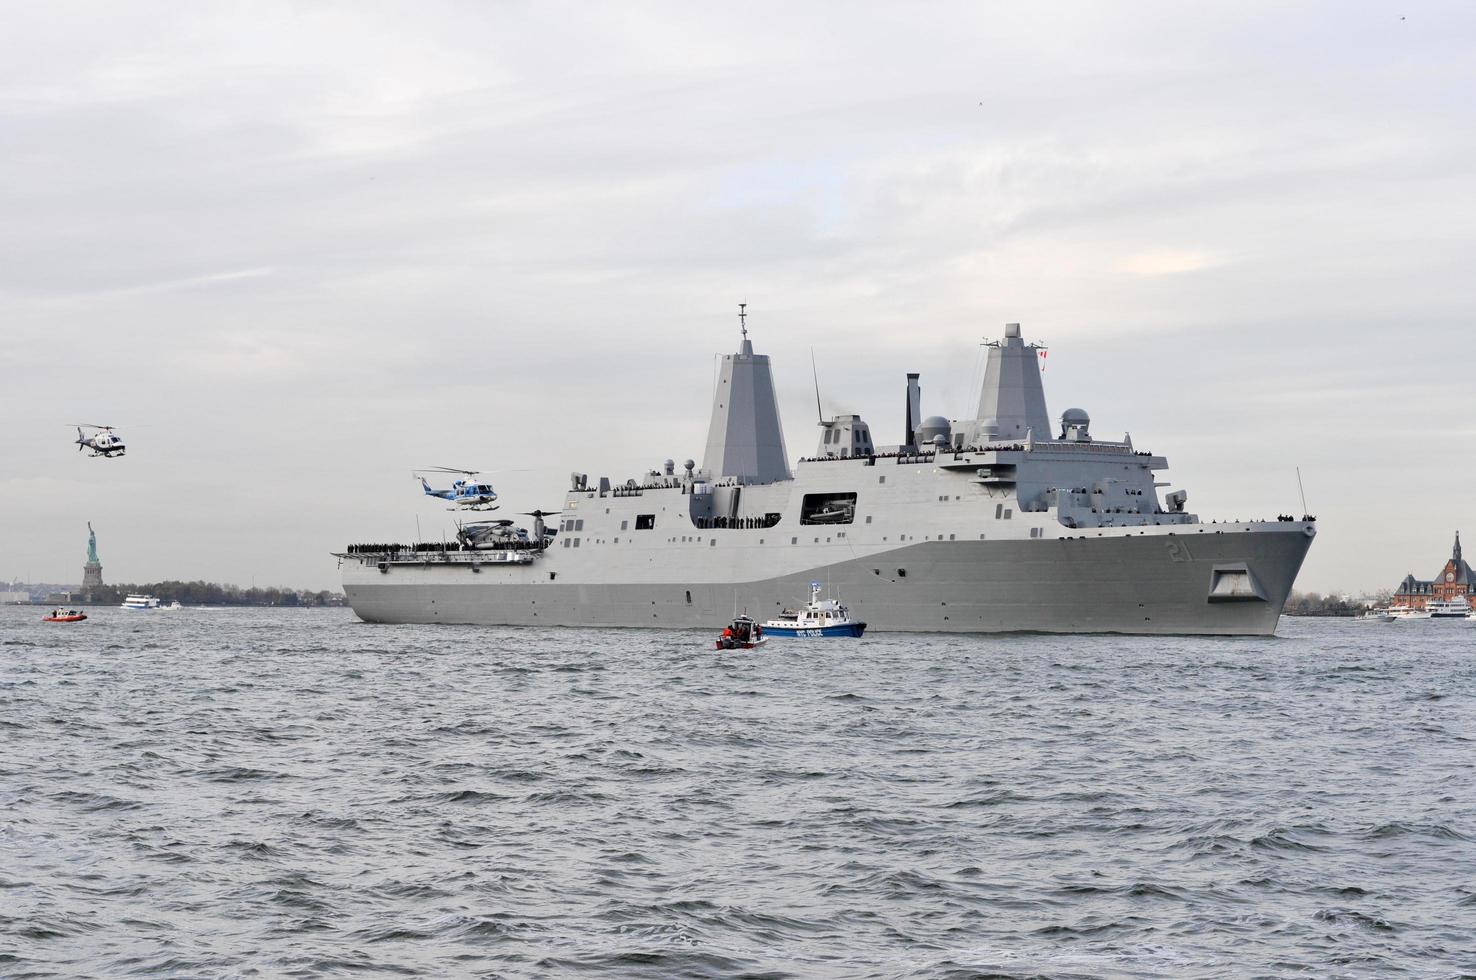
(295, 251)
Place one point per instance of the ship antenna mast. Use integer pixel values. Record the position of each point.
(815, 373)
(743, 319)
(1302, 492)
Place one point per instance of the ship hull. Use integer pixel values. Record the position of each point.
(1143, 583)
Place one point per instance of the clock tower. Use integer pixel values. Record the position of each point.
(1455, 580)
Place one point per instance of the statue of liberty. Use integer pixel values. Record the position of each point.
(92, 571)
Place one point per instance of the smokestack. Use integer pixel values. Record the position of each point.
(914, 409)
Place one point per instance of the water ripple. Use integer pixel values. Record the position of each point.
(277, 793)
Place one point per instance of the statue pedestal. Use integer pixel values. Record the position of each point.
(91, 579)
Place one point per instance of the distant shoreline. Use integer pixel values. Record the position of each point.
(74, 604)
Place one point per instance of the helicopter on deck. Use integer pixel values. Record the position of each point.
(465, 494)
(103, 441)
(504, 533)
(490, 534)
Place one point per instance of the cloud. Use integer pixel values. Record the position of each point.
(315, 245)
(1166, 263)
(192, 282)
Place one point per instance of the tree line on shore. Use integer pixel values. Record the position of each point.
(1316, 604)
(216, 594)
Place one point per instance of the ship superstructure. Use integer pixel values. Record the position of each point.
(1002, 522)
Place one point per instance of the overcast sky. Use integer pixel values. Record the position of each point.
(296, 250)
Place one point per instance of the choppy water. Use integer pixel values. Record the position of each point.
(265, 793)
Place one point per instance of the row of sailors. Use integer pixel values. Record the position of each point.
(379, 549)
(736, 523)
(489, 544)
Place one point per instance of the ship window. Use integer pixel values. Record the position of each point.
(794, 540)
(645, 522)
(712, 543)
(576, 542)
(882, 478)
(901, 573)
(828, 508)
(998, 511)
(552, 576)
(566, 542)
(1008, 513)
(689, 597)
(868, 518)
(624, 525)
(579, 524)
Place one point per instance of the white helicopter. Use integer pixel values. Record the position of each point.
(103, 441)
(465, 494)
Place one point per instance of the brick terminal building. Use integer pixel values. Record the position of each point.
(1454, 581)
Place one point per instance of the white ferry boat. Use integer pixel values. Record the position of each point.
(1448, 608)
(818, 617)
(141, 602)
(1408, 612)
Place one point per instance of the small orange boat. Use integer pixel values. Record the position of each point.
(70, 616)
(744, 634)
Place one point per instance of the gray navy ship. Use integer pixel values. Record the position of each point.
(1002, 522)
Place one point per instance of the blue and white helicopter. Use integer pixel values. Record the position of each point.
(466, 494)
(102, 440)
